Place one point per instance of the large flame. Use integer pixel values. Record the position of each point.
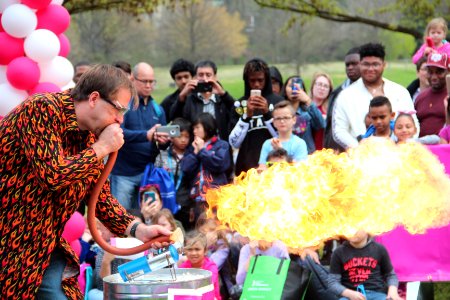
(374, 187)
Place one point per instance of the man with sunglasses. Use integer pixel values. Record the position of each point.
(139, 129)
(52, 148)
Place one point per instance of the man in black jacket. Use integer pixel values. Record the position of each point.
(351, 61)
(182, 72)
(205, 94)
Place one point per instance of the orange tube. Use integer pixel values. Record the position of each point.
(92, 223)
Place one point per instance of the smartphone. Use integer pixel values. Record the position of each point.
(172, 130)
(149, 197)
(299, 81)
(255, 92)
(203, 87)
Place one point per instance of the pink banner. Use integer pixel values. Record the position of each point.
(421, 257)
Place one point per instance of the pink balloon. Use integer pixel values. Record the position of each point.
(65, 45)
(36, 4)
(11, 48)
(74, 227)
(23, 73)
(44, 87)
(54, 17)
(76, 246)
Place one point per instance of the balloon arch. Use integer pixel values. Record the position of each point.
(33, 50)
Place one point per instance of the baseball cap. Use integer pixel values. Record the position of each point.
(439, 60)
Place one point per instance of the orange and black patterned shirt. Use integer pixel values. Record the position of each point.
(47, 168)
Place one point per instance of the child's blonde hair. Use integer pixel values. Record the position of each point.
(169, 216)
(436, 23)
(193, 237)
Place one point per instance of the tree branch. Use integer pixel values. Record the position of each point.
(313, 10)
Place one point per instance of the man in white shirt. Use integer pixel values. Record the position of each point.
(352, 104)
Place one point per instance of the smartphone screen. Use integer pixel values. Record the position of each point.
(149, 197)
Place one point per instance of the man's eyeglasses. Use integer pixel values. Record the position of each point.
(122, 109)
(282, 119)
(367, 65)
(145, 82)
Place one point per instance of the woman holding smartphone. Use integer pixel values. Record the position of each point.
(150, 203)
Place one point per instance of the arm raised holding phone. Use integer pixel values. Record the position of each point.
(256, 104)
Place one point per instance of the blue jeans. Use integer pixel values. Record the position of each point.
(51, 282)
(371, 295)
(126, 189)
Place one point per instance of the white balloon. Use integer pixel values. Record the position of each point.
(19, 20)
(5, 3)
(41, 45)
(57, 2)
(59, 71)
(70, 85)
(3, 74)
(10, 97)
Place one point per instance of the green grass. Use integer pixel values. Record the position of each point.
(231, 76)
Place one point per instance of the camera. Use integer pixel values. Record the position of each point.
(203, 87)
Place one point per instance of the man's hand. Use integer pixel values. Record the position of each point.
(257, 103)
(146, 233)
(154, 136)
(188, 88)
(217, 88)
(110, 140)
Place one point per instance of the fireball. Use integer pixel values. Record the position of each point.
(376, 187)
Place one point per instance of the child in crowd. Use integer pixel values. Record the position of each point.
(444, 134)
(405, 129)
(361, 269)
(284, 120)
(381, 117)
(222, 250)
(195, 249)
(308, 117)
(434, 39)
(206, 161)
(170, 160)
(217, 243)
(150, 202)
(165, 218)
(276, 249)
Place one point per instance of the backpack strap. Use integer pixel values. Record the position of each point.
(156, 108)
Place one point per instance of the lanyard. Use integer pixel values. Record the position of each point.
(180, 176)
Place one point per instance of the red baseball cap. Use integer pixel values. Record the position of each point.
(439, 60)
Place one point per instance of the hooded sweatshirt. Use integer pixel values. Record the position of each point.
(249, 134)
